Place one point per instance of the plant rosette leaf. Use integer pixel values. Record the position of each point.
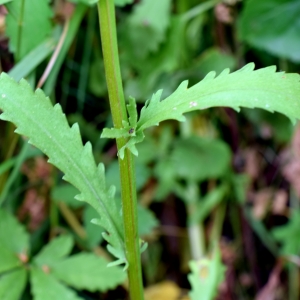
(48, 130)
(263, 88)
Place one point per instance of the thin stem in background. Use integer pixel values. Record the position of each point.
(108, 32)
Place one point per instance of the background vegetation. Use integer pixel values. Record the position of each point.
(222, 177)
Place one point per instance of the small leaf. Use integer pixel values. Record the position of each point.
(206, 276)
(54, 251)
(88, 271)
(12, 284)
(8, 259)
(10, 227)
(288, 235)
(46, 287)
(25, 29)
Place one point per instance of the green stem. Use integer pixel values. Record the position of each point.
(108, 32)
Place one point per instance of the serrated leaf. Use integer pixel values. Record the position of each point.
(13, 235)
(26, 29)
(272, 25)
(88, 271)
(49, 131)
(264, 88)
(46, 287)
(54, 251)
(12, 284)
(205, 277)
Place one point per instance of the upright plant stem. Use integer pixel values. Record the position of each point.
(108, 32)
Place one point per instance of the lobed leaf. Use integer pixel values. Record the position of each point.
(47, 128)
(264, 88)
(55, 250)
(12, 284)
(88, 271)
(45, 287)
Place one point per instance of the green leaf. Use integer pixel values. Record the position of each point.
(48, 130)
(32, 59)
(87, 2)
(4, 1)
(206, 276)
(12, 284)
(147, 26)
(66, 193)
(46, 287)
(199, 159)
(272, 25)
(146, 220)
(93, 232)
(263, 88)
(123, 2)
(26, 29)
(88, 271)
(54, 251)
(13, 235)
(288, 235)
(206, 205)
(8, 259)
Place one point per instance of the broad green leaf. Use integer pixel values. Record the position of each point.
(272, 25)
(146, 220)
(8, 259)
(199, 159)
(13, 235)
(264, 88)
(147, 26)
(205, 277)
(88, 271)
(54, 251)
(45, 287)
(288, 235)
(26, 29)
(47, 128)
(12, 284)
(66, 193)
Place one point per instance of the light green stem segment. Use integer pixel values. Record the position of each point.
(108, 32)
